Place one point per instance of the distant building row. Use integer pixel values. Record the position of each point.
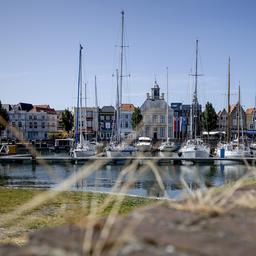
(37, 122)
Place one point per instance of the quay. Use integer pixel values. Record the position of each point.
(121, 160)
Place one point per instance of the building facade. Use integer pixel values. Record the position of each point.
(250, 119)
(106, 123)
(89, 121)
(154, 112)
(223, 119)
(30, 122)
(126, 120)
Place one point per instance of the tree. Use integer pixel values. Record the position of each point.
(67, 120)
(209, 118)
(136, 118)
(4, 118)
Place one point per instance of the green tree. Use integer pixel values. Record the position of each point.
(4, 118)
(67, 120)
(136, 119)
(209, 118)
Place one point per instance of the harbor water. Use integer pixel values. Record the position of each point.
(175, 179)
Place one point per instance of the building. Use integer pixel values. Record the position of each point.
(106, 122)
(17, 121)
(30, 122)
(90, 128)
(223, 119)
(126, 120)
(154, 114)
(250, 119)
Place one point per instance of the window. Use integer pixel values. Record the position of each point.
(89, 114)
(30, 125)
(30, 117)
(108, 118)
(20, 124)
(13, 124)
(147, 131)
(154, 119)
(35, 124)
(102, 118)
(162, 132)
(89, 124)
(126, 116)
(43, 125)
(162, 119)
(126, 124)
(107, 125)
(35, 117)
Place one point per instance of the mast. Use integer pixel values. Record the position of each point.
(228, 120)
(96, 103)
(238, 117)
(117, 108)
(96, 93)
(122, 59)
(78, 113)
(85, 110)
(167, 108)
(195, 99)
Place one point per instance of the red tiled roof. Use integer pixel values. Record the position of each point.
(249, 111)
(43, 108)
(127, 107)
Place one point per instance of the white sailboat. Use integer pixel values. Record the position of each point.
(195, 147)
(117, 147)
(167, 146)
(82, 147)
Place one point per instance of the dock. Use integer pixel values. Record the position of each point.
(120, 160)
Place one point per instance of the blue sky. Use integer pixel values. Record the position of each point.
(40, 42)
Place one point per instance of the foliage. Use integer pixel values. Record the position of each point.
(67, 120)
(209, 117)
(136, 118)
(4, 115)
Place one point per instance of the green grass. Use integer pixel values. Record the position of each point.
(67, 207)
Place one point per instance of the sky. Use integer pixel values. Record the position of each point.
(39, 47)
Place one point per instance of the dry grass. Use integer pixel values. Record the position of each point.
(32, 209)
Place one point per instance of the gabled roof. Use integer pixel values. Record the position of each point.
(107, 109)
(222, 112)
(127, 107)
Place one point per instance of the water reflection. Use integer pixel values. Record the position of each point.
(103, 179)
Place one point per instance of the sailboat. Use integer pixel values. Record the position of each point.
(167, 146)
(195, 147)
(82, 147)
(117, 147)
(236, 148)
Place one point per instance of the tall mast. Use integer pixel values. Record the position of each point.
(96, 93)
(195, 99)
(167, 108)
(117, 108)
(122, 59)
(78, 113)
(238, 117)
(228, 120)
(85, 110)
